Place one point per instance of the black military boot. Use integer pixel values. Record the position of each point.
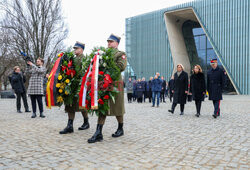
(85, 125)
(69, 128)
(33, 115)
(97, 137)
(42, 115)
(119, 131)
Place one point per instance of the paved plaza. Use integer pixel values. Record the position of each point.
(154, 138)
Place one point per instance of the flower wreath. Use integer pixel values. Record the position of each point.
(108, 81)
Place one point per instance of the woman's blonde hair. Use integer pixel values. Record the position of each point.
(199, 67)
(15, 68)
(181, 66)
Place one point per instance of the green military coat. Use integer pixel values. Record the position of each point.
(117, 108)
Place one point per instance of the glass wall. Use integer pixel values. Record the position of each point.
(200, 50)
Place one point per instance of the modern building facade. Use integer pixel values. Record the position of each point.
(193, 33)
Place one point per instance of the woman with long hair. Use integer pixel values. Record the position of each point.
(197, 87)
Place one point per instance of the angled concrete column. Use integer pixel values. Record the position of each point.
(177, 43)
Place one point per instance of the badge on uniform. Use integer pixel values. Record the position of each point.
(123, 57)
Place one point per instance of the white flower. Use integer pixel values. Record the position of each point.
(104, 64)
(100, 57)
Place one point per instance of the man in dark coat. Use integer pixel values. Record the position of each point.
(140, 90)
(180, 88)
(17, 80)
(163, 89)
(215, 84)
(134, 90)
(149, 89)
(144, 89)
(171, 88)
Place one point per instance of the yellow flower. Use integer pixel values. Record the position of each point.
(66, 92)
(58, 85)
(62, 86)
(67, 81)
(60, 90)
(59, 99)
(59, 77)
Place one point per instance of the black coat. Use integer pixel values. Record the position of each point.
(171, 86)
(215, 83)
(198, 86)
(139, 89)
(180, 86)
(163, 86)
(17, 82)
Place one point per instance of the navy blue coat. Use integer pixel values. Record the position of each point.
(156, 85)
(144, 85)
(180, 86)
(139, 89)
(215, 83)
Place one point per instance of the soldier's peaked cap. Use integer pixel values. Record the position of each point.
(79, 45)
(113, 37)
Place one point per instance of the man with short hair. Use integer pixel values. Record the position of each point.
(17, 80)
(116, 109)
(215, 85)
(78, 50)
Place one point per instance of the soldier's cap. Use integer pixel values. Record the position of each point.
(213, 61)
(79, 45)
(113, 37)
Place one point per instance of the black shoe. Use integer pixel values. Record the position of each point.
(171, 111)
(197, 114)
(119, 132)
(152, 106)
(69, 128)
(215, 116)
(158, 106)
(33, 115)
(27, 111)
(84, 126)
(182, 113)
(42, 115)
(19, 111)
(97, 137)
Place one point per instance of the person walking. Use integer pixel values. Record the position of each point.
(129, 87)
(17, 80)
(171, 88)
(156, 89)
(197, 87)
(180, 89)
(163, 90)
(149, 89)
(134, 91)
(215, 85)
(35, 89)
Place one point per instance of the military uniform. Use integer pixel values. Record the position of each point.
(116, 109)
(215, 84)
(71, 109)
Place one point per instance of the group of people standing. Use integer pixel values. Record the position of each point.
(180, 87)
(35, 89)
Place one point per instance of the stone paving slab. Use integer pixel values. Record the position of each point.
(154, 139)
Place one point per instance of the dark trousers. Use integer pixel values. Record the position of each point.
(170, 96)
(198, 106)
(134, 95)
(216, 107)
(139, 99)
(130, 95)
(144, 96)
(181, 107)
(150, 96)
(163, 96)
(18, 101)
(39, 100)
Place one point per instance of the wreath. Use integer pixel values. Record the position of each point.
(108, 80)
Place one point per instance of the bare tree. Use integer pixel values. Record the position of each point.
(36, 27)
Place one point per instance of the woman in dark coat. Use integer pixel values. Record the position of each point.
(197, 87)
(180, 88)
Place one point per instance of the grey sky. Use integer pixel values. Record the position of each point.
(92, 21)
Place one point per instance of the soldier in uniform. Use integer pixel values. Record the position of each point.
(116, 109)
(215, 84)
(78, 50)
